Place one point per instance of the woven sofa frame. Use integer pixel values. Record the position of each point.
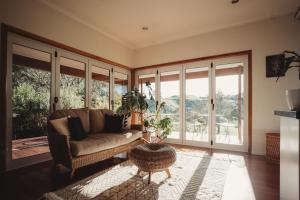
(60, 150)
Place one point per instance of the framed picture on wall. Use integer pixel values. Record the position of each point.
(274, 65)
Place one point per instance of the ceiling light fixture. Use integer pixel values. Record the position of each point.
(145, 28)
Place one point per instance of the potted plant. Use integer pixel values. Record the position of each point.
(154, 123)
(291, 60)
(133, 104)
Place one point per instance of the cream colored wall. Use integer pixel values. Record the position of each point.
(264, 38)
(35, 17)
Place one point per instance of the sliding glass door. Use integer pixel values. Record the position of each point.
(41, 79)
(229, 104)
(147, 86)
(29, 100)
(197, 104)
(170, 95)
(121, 85)
(205, 100)
(100, 86)
(72, 80)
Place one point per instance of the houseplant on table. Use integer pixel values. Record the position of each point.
(133, 104)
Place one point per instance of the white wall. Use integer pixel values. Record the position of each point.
(263, 38)
(35, 17)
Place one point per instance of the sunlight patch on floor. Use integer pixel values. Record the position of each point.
(238, 184)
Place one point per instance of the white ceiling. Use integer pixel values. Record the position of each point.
(122, 20)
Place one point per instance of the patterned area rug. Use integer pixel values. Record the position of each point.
(194, 176)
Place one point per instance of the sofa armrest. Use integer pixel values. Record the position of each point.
(59, 147)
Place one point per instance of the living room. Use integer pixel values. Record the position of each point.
(149, 99)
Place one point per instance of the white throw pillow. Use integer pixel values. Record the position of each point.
(61, 126)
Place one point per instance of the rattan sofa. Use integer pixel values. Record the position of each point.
(96, 147)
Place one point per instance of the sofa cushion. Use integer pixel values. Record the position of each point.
(102, 141)
(82, 113)
(97, 119)
(76, 129)
(113, 123)
(61, 126)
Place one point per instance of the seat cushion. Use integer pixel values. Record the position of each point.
(82, 113)
(97, 119)
(103, 141)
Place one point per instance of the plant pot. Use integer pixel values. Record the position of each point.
(135, 118)
(293, 99)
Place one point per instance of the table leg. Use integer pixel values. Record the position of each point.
(149, 179)
(168, 173)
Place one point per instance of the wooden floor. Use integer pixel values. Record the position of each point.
(251, 179)
(27, 147)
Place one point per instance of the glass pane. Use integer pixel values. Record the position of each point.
(229, 104)
(72, 83)
(31, 89)
(197, 104)
(120, 88)
(170, 94)
(100, 88)
(148, 91)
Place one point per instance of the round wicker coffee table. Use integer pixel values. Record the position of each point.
(153, 157)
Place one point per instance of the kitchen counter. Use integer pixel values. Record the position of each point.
(291, 114)
(289, 154)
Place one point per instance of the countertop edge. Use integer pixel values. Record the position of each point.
(291, 114)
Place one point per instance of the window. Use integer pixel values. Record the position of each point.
(100, 88)
(197, 104)
(31, 91)
(205, 101)
(120, 88)
(170, 94)
(148, 90)
(229, 103)
(72, 83)
(42, 78)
